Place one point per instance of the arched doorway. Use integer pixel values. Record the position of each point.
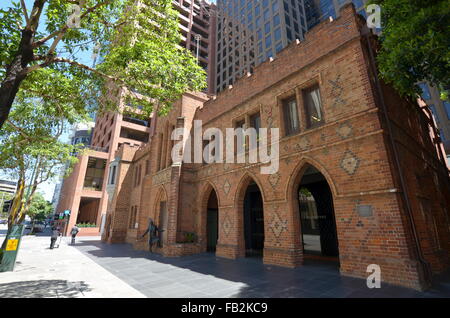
(161, 216)
(212, 222)
(163, 222)
(318, 223)
(253, 221)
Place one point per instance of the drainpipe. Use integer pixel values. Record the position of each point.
(426, 266)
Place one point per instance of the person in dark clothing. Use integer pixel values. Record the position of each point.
(74, 233)
(55, 234)
(153, 234)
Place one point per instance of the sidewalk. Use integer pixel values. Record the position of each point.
(61, 272)
(205, 275)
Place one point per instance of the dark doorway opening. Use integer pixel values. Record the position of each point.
(253, 221)
(163, 221)
(319, 234)
(212, 222)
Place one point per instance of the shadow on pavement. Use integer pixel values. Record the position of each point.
(313, 279)
(43, 289)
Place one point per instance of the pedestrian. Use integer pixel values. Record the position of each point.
(153, 235)
(55, 234)
(74, 233)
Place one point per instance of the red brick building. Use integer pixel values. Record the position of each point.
(359, 179)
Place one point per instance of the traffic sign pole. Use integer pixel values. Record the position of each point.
(13, 240)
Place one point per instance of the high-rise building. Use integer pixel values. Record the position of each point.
(320, 10)
(81, 134)
(197, 26)
(251, 31)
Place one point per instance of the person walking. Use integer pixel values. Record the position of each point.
(55, 234)
(74, 233)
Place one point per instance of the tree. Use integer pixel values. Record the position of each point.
(39, 208)
(139, 41)
(31, 151)
(415, 43)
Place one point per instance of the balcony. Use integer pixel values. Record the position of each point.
(132, 134)
(137, 121)
(93, 181)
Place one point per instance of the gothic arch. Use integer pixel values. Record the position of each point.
(293, 195)
(202, 224)
(161, 195)
(244, 182)
(297, 175)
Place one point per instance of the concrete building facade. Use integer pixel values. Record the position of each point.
(369, 159)
(197, 26)
(8, 186)
(81, 134)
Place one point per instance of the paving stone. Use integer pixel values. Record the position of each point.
(208, 276)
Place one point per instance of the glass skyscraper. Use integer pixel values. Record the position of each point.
(251, 31)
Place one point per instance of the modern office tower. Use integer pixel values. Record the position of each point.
(320, 10)
(251, 31)
(197, 26)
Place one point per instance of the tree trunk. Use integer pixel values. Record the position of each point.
(15, 74)
(16, 71)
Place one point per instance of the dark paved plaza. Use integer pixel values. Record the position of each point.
(205, 275)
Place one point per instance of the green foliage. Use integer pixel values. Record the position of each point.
(190, 237)
(415, 44)
(86, 225)
(305, 192)
(139, 48)
(30, 149)
(39, 208)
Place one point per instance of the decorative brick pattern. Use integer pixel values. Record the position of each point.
(336, 91)
(350, 162)
(278, 226)
(226, 187)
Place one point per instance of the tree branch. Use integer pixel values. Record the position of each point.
(20, 130)
(60, 32)
(25, 13)
(83, 66)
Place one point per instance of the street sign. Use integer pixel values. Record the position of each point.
(12, 247)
